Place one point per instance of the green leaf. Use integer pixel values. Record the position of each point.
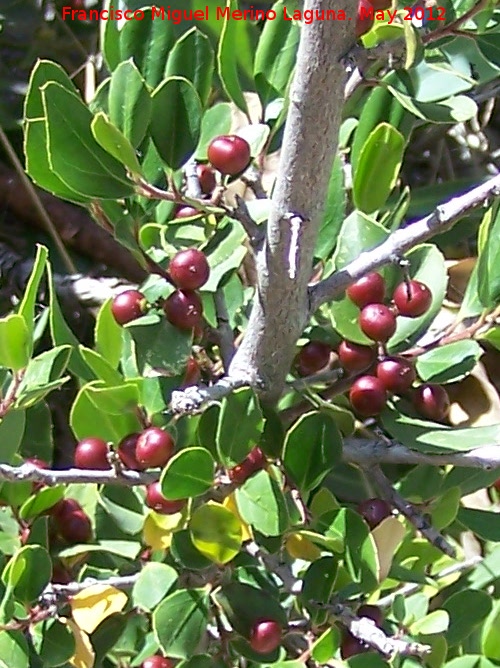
(13, 650)
(28, 572)
(109, 38)
(58, 642)
(225, 252)
(160, 345)
(239, 427)
(11, 433)
(334, 213)
(175, 120)
(43, 374)
(148, 42)
(378, 168)
(361, 558)
(129, 103)
(450, 363)
(74, 155)
(444, 510)
(15, 343)
(124, 507)
(275, 56)
(192, 58)
(216, 532)
(313, 446)
(215, 121)
(490, 639)
(44, 499)
(467, 609)
(180, 621)
(114, 142)
(261, 504)
(108, 335)
(187, 474)
(435, 622)
(226, 62)
(489, 257)
(318, 585)
(185, 553)
(100, 367)
(27, 305)
(481, 522)
(154, 582)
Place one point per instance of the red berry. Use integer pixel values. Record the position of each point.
(206, 177)
(368, 396)
(75, 527)
(253, 462)
(40, 464)
(351, 646)
(229, 154)
(92, 453)
(372, 612)
(60, 575)
(412, 299)
(128, 306)
(154, 447)
(189, 269)
(65, 507)
(256, 458)
(186, 212)
(193, 373)
(157, 661)
(431, 401)
(374, 511)
(369, 289)
(183, 309)
(397, 374)
(365, 18)
(377, 322)
(312, 357)
(156, 501)
(127, 454)
(265, 636)
(355, 357)
(496, 485)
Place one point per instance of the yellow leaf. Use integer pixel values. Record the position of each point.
(216, 532)
(84, 655)
(300, 547)
(387, 536)
(230, 503)
(158, 529)
(92, 605)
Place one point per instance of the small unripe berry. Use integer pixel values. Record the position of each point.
(206, 177)
(312, 357)
(161, 505)
(189, 269)
(229, 154)
(92, 453)
(431, 401)
(374, 511)
(369, 289)
(183, 309)
(154, 447)
(368, 396)
(355, 357)
(377, 322)
(265, 636)
(397, 374)
(127, 306)
(412, 299)
(127, 453)
(157, 661)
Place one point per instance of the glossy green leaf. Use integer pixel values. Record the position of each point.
(160, 344)
(489, 258)
(185, 553)
(179, 622)
(449, 363)
(124, 507)
(43, 374)
(28, 572)
(481, 522)
(313, 446)
(12, 427)
(318, 586)
(175, 120)
(114, 142)
(216, 121)
(467, 609)
(154, 582)
(227, 64)
(188, 473)
(27, 305)
(80, 163)
(216, 532)
(334, 213)
(261, 504)
(444, 510)
(225, 252)
(490, 639)
(15, 343)
(239, 427)
(109, 40)
(108, 335)
(58, 644)
(129, 103)
(435, 622)
(13, 650)
(100, 367)
(44, 499)
(378, 168)
(192, 58)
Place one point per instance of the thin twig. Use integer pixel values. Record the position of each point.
(72, 588)
(52, 477)
(452, 27)
(256, 233)
(196, 398)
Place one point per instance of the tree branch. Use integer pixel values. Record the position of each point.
(402, 240)
(226, 343)
(280, 308)
(196, 398)
(51, 477)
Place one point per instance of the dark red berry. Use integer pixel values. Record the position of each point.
(412, 299)
(229, 154)
(355, 357)
(156, 501)
(157, 661)
(253, 462)
(60, 574)
(374, 511)
(368, 396)
(65, 507)
(75, 527)
(397, 374)
(265, 636)
(369, 289)
(256, 458)
(431, 401)
(154, 447)
(312, 357)
(365, 18)
(351, 646)
(189, 269)
(126, 452)
(128, 306)
(377, 322)
(206, 177)
(40, 464)
(183, 309)
(193, 373)
(92, 453)
(372, 612)
(186, 212)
